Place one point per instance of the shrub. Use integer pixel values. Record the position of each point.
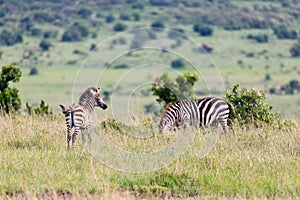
(121, 66)
(110, 18)
(10, 100)
(50, 34)
(43, 109)
(249, 106)
(118, 27)
(36, 32)
(45, 45)
(9, 38)
(158, 26)
(33, 71)
(168, 90)
(75, 33)
(282, 32)
(177, 64)
(124, 17)
(261, 38)
(203, 30)
(295, 49)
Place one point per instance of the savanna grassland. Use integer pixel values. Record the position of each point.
(62, 47)
(246, 163)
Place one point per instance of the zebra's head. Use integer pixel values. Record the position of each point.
(165, 125)
(98, 100)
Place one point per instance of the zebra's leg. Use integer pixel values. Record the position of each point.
(74, 136)
(224, 125)
(83, 136)
(89, 134)
(69, 137)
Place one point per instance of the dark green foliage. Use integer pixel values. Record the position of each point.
(75, 33)
(168, 90)
(158, 24)
(93, 47)
(124, 16)
(295, 49)
(207, 48)
(10, 38)
(50, 34)
(10, 101)
(43, 16)
(203, 30)
(84, 13)
(136, 16)
(249, 106)
(36, 32)
(33, 71)
(118, 27)
(290, 88)
(260, 38)
(112, 124)
(121, 66)
(45, 45)
(177, 64)
(110, 18)
(42, 110)
(282, 32)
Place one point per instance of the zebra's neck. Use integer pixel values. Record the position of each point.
(87, 105)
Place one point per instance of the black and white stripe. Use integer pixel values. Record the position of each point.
(199, 112)
(79, 115)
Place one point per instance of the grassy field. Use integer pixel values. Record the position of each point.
(253, 163)
(246, 163)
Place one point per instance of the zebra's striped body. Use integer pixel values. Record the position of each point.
(200, 112)
(79, 115)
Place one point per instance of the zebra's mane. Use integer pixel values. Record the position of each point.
(87, 96)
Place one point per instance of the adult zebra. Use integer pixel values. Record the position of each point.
(199, 112)
(79, 115)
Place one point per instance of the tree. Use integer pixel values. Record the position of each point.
(295, 49)
(45, 45)
(203, 30)
(118, 27)
(10, 100)
(178, 63)
(282, 32)
(168, 90)
(75, 33)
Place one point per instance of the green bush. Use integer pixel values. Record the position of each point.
(249, 106)
(45, 45)
(260, 38)
(42, 110)
(282, 32)
(10, 38)
(177, 64)
(10, 101)
(203, 30)
(168, 90)
(295, 49)
(75, 33)
(118, 27)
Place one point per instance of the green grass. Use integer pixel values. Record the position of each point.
(247, 163)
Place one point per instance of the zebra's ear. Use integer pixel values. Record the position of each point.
(63, 109)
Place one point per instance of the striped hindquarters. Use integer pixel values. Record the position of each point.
(74, 116)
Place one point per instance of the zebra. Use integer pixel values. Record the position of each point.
(79, 115)
(199, 112)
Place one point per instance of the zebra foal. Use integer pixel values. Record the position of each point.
(79, 115)
(199, 112)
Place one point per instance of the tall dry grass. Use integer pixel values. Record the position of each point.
(246, 163)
